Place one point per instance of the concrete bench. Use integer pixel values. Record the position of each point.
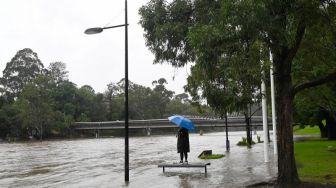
(184, 165)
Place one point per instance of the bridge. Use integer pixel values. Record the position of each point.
(164, 123)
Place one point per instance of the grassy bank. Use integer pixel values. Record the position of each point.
(307, 130)
(316, 161)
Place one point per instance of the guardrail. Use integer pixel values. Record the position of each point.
(164, 123)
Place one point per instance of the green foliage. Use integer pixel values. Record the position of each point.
(316, 58)
(160, 97)
(83, 117)
(99, 111)
(227, 40)
(23, 68)
(64, 95)
(212, 156)
(226, 76)
(316, 106)
(306, 130)
(114, 97)
(147, 103)
(9, 122)
(84, 102)
(178, 106)
(36, 105)
(315, 162)
(140, 102)
(49, 103)
(243, 142)
(57, 72)
(169, 25)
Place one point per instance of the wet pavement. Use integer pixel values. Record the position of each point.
(100, 163)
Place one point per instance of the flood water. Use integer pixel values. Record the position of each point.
(100, 163)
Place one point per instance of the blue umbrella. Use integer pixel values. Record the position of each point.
(182, 122)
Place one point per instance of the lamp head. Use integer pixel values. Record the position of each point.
(94, 30)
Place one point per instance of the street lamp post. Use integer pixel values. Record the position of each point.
(99, 30)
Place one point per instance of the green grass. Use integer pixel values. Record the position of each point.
(306, 130)
(243, 142)
(316, 161)
(212, 156)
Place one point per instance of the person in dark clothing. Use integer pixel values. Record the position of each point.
(183, 144)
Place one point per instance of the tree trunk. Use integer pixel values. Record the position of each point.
(41, 133)
(287, 172)
(323, 130)
(331, 127)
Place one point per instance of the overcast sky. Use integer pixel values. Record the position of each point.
(54, 29)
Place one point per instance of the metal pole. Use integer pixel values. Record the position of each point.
(227, 134)
(264, 114)
(126, 98)
(273, 108)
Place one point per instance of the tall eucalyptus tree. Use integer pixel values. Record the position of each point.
(22, 69)
(239, 34)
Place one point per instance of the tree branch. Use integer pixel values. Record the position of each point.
(298, 38)
(326, 16)
(329, 78)
(259, 107)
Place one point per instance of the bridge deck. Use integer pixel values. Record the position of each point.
(164, 123)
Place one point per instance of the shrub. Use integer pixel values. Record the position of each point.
(244, 142)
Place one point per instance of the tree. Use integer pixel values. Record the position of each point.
(146, 103)
(10, 125)
(36, 105)
(160, 97)
(57, 72)
(64, 96)
(181, 104)
(182, 97)
(23, 68)
(99, 108)
(182, 31)
(225, 88)
(114, 96)
(140, 102)
(317, 107)
(166, 27)
(84, 103)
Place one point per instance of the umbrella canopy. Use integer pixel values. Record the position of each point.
(182, 122)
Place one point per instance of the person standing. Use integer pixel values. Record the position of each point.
(183, 144)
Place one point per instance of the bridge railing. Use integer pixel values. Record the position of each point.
(161, 123)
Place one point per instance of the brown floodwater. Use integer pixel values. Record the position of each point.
(100, 163)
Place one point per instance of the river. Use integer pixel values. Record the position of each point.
(100, 163)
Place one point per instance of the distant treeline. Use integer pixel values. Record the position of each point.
(42, 102)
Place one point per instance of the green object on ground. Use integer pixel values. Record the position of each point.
(306, 130)
(212, 156)
(316, 161)
(244, 142)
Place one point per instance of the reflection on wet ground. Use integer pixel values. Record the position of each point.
(100, 163)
